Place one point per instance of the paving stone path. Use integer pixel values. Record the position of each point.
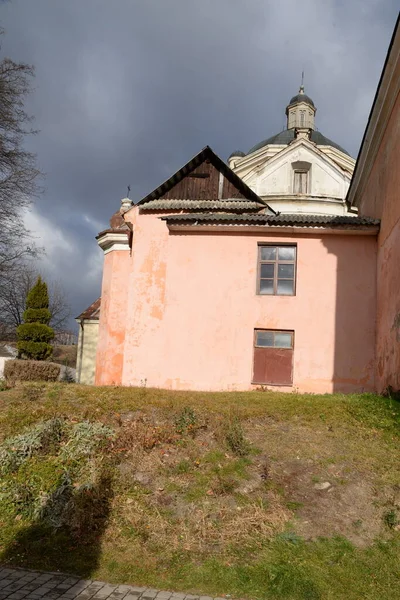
(19, 584)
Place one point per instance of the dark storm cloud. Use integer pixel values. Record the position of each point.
(127, 91)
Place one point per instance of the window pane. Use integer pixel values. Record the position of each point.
(285, 287)
(267, 271)
(283, 340)
(266, 286)
(286, 271)
(268, 253)
(265, 339)
(286, 253)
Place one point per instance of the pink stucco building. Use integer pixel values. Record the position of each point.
(261, 273)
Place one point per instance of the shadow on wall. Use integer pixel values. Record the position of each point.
(67, 534)
(355, 311)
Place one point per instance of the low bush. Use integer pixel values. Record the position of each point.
(38, 439)
(57, 473)
(30, 370)
(235, 439)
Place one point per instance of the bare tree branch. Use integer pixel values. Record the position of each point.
(18, 172)
(14, 290)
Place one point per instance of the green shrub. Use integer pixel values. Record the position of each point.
(36, 350)
(85, 439)
(37, 315)
(186, 421)
(30, 370)
(52, 473)
(35, 334)
(41, 332)
(39, 439)
(391, 519)
(38, 296)
(235, 438)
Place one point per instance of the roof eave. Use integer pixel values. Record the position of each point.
(385, 97)
(272, 229)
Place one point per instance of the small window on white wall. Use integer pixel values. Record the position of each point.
(302, 118)
(301, 177)
(300, 182)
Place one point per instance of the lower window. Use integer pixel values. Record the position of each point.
(273, 357)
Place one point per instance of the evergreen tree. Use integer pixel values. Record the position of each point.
(34, 335)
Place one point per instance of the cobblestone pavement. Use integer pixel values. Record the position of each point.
(19, 584)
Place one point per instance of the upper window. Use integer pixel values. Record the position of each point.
(302, 118)
(276, 270)
(300, 182)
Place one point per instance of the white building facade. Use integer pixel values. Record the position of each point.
(299, 170)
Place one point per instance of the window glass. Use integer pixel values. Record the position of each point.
(283, 339)
(285, 287)
(267, 271)
(266, 286)
(277, 270)
(268, 253)
(265, 339)
(286, 252)
(285, 271)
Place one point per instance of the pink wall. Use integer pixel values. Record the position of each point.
(381, 199)
(110, 348)
(191, 310)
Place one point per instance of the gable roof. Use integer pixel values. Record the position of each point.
(91, 312)
(206, 154)
(263, 165)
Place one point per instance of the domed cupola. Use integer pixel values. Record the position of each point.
(301, 111)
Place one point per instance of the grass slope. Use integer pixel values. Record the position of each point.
(257, 495)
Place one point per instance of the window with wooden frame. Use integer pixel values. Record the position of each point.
(300, 181)
(276, 270)
(273, 357)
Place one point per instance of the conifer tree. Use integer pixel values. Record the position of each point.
(34, 335)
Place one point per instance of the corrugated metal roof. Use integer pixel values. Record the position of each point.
(201, 204)
(284, 220)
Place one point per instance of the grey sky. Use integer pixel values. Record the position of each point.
(126, 91)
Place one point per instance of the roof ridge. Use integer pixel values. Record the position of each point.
(219, 164)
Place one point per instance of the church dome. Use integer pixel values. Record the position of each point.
(238, 153)
(298, 119)
(288, 135)
(301, 97)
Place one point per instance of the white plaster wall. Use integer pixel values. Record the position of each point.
(2, 363)
(328, 183)
(312, 206)
(87, 348)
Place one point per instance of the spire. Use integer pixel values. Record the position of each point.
(301, 90)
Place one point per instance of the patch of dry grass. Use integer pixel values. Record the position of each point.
(219, 492)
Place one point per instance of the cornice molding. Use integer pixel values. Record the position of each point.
(110, 241)
(259, 165)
